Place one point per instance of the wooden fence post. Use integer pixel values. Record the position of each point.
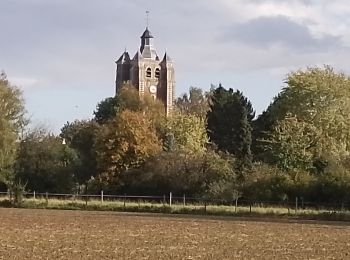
(302, 202)
(170, 198)
(184, 200)
(101, 196)
(34, 195)
(47, 197)
(296, 205)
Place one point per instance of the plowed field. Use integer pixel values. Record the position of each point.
(51, 234)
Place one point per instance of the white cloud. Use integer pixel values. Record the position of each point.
(23, 82)
(321, 16)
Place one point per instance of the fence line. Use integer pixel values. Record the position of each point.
(183, 200)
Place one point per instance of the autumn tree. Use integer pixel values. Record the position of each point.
(129, 98)
(125, 142)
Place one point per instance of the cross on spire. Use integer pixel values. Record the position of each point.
(147, 18)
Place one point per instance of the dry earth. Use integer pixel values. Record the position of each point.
(53, 234)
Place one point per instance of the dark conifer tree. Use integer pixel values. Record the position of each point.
(229, 124)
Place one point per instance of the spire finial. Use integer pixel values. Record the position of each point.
(147, 18)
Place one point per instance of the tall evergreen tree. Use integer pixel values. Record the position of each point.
(229, 124)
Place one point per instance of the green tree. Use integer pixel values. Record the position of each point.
(12, 121)
(267, 183)
(80, 136)
(291, 145)
(229, 124)
(196, 103)
(180, 172)
(319, 97)
(333, 185)
(106, 110)
(188, 132)
(45, 164)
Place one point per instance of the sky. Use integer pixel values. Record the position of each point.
(62, 53)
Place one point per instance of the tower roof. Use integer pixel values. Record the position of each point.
(146, 34)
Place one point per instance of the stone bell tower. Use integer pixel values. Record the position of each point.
(147, 73)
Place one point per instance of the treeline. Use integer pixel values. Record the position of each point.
(212, 146)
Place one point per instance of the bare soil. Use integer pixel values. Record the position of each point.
(59, 234)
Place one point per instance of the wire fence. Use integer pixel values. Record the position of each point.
(169, 200)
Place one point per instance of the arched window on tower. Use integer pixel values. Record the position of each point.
(148, 72)
(157, 73)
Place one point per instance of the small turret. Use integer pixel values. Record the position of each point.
(147, 50)
(123, 70)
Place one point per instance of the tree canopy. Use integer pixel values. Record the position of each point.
(12, 121)
(318, 99)
(196, 103)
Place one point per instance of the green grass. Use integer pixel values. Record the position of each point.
(256, 211)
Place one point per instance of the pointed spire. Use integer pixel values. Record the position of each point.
(124, 57)
(137, 56)
(166, 58)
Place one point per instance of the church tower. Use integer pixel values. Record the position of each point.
(147, 73)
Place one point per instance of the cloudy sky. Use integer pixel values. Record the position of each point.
(62, 52)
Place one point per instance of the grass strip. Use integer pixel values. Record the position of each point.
(147, 207)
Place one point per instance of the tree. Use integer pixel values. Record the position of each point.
(188, 132)
(129, 98)
(106, 110)
(333, 185)
(196, 103)
(268, 183)
(45, 164)
(290, 145)
(319, 97)
(123, 143)
(180, 172)
(12, 121)
(229, 124)
(80, 136)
